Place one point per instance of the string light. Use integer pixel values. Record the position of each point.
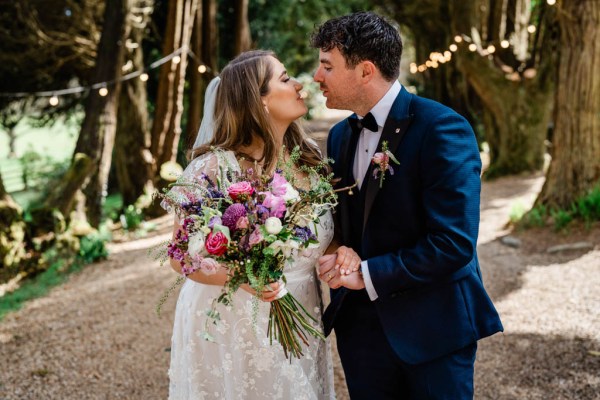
(413, 68)
(472, 47)
(202, 68)
(491, 49)
(453, 47)
(103, 86)
(551, 2)
(504, 44)
(458, 38)
(531, 29)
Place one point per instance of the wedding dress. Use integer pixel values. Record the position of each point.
(241, 363)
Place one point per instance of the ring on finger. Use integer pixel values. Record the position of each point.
(329, 276)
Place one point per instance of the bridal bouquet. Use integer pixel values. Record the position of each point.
(251, 224)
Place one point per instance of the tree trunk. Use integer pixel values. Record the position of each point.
(197, 86)
(96, 138)
(166, 128)
(210, 37)
(515, 117)
(204, 38)
(64, 196)
(242, 27)
(133, 160)
(575, 167)
(12, 235)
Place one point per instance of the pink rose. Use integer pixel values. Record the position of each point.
(242, 223)
(240, 189)
(216, 243)
(209, 266)
(255, 237)
(379, 158)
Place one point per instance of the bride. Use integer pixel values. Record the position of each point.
(254, 113)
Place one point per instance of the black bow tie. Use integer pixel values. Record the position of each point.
(368, 122)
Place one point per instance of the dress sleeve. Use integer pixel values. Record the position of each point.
(205, 165)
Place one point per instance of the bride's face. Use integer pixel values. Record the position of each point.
(283, 102)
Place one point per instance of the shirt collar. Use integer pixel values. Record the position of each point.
(381, 110)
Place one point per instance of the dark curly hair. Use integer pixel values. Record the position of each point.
(362, 36)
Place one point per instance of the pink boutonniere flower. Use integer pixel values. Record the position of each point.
(381, 161)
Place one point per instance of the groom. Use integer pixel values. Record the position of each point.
(408, 320)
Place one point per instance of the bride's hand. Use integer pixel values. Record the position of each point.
(347, 260)
(270, 292)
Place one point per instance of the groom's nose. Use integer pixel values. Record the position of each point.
(318, 76)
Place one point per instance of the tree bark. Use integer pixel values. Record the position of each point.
(204, 38)
(166, 128)
(242, 27)
(133, 160)
(515, 117)
(96, 138)
(575, 166)
(12, 235)
(197, 86)
(111, 54)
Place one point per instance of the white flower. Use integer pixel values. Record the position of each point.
(290, 193)
(196, 245)
(286, 248)
(273, 225)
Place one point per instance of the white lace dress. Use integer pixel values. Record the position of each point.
(242, 364)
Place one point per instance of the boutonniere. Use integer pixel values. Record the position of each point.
(381, 161)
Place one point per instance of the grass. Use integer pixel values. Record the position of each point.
(38, 286)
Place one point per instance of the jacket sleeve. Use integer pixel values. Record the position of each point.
(450, 169)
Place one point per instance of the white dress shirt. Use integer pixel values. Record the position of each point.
(365, 149)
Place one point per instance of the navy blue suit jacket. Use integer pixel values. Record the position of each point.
(420, 231)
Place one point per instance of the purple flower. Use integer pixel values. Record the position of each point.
(304, 234)
(233, 213)
(192, 207)
(214, 220)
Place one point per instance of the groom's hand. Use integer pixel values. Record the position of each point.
(340, 269)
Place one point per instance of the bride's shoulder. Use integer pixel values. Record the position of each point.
(213, 160)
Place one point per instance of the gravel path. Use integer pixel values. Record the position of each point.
(98, 337)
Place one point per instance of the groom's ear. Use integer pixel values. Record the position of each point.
(368, 71)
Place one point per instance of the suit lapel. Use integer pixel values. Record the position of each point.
(394, 130)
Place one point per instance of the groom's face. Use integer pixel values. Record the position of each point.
(337, 82)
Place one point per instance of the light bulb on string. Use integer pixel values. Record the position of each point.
(551, 2)
(413, 68)
(176, 60)
(53, 101)
(504, 44)
(491, 49)
(531, 29)
(458, 38)
(144, 77)
(103, 91)
(202, 68)
(473, 47)
(453, 47)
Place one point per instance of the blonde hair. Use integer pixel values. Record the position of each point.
(240, 115)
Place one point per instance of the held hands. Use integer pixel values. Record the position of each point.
(341, 269)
